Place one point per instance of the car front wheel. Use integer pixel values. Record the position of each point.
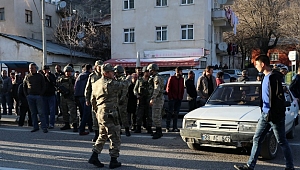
(269, 147)
(193, 146)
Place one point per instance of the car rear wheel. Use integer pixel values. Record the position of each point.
(269, 146)
(193, 146)
(291, 133)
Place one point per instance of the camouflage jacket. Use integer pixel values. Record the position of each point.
(106, 92)
(142, 87)
(122, 95)
(68, 83)
(158, 87)
(90, 85)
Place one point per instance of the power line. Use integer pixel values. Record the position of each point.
(37, 9)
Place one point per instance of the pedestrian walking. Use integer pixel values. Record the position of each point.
(157, 99)
(90, 86)
(142, 91)
(16, 81)
(122, 100)
(132, 102)
(191, 91)
(34, 88)
(175, 90)
(80, 85)
(49, 97)
(6, 93)
(67, 101)
(106, 94)
(273, 114)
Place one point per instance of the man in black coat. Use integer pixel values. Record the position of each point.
(132, 102)
(191, 91)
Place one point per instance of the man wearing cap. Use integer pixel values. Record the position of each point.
(49, 97)
(67, 101)
(244, 76)
(141, 90)
(90, 85)
(105, 94)
(34, 87)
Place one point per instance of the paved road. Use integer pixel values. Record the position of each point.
(21, 149)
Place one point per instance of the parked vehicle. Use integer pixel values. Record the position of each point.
(230, 116)
(198, 73)
(233, 72)
(279, 65)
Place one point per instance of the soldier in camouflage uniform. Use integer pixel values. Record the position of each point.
(93, 77)
(122, 99)
(106, 94)
(67, 101)
(157, 99)
(142, 91)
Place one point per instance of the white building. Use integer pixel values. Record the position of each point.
(170, 32)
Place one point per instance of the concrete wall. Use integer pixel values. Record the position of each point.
(15, 18)
(146, 16)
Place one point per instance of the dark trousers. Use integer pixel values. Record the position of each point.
(6, 99)
(15, 101)
(86, 115)
(174, 107)
(192, 104)
(23, 111)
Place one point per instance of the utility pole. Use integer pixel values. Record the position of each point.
(43, 34)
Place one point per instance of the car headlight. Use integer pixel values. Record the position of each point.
(189, 124)
(247, 127)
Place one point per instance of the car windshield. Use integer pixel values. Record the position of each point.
(236, 94)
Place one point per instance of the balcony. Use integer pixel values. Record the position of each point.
(224, 18)
(219, 14)
(225, 2)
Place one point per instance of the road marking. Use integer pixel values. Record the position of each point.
(5, 168)
(91, 134)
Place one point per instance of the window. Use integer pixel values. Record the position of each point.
(128, 4)
(202, 64)
(129, 35)
(274, 57)
(184, 2)
(2, 16)
(48, 21)
(28, 16)
(161, 2)
(187, 32)
(161, 33)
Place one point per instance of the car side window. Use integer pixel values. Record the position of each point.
(226, 76)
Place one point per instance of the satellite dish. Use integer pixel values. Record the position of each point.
(62, 4)
(223, 46)
(80, 34)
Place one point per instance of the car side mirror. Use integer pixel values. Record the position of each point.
(287, 104)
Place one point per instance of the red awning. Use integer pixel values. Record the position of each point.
(161, 62)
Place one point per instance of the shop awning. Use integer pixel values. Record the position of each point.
(161, 62)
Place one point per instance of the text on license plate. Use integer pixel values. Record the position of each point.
(217, 138)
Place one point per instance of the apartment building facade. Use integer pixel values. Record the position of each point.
(170, 32)
(23, 18)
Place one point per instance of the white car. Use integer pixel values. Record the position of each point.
(233, 72)
(230, 116)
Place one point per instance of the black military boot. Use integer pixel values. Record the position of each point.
(158, 133)
(138, 129)
(149, 130)
(134, 128)
(114, 163)
(75, 128)
(127, 132)
(96, 136)
(95, 161)
(66, 127)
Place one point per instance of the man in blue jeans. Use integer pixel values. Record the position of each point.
(175, 90)
(273, 114)
(34, 88)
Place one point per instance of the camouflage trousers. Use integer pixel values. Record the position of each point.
(95, 121)
(157, 112)
(143, 111)
(124, 115)
(109, 128)
(68, 105)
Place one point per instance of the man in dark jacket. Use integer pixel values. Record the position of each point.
(244, 76)
(16, 81)
(24, 108)
(175, 90)
(273, 114)
(295, 86)
(132, 102)
(6, 93)
(49, 97)
(191, 91)
(80, 84)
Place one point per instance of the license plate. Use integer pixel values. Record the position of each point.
(216, 138)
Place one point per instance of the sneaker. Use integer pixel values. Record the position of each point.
(244, 167)
(175, 130)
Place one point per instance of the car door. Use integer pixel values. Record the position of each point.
(290, 111)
